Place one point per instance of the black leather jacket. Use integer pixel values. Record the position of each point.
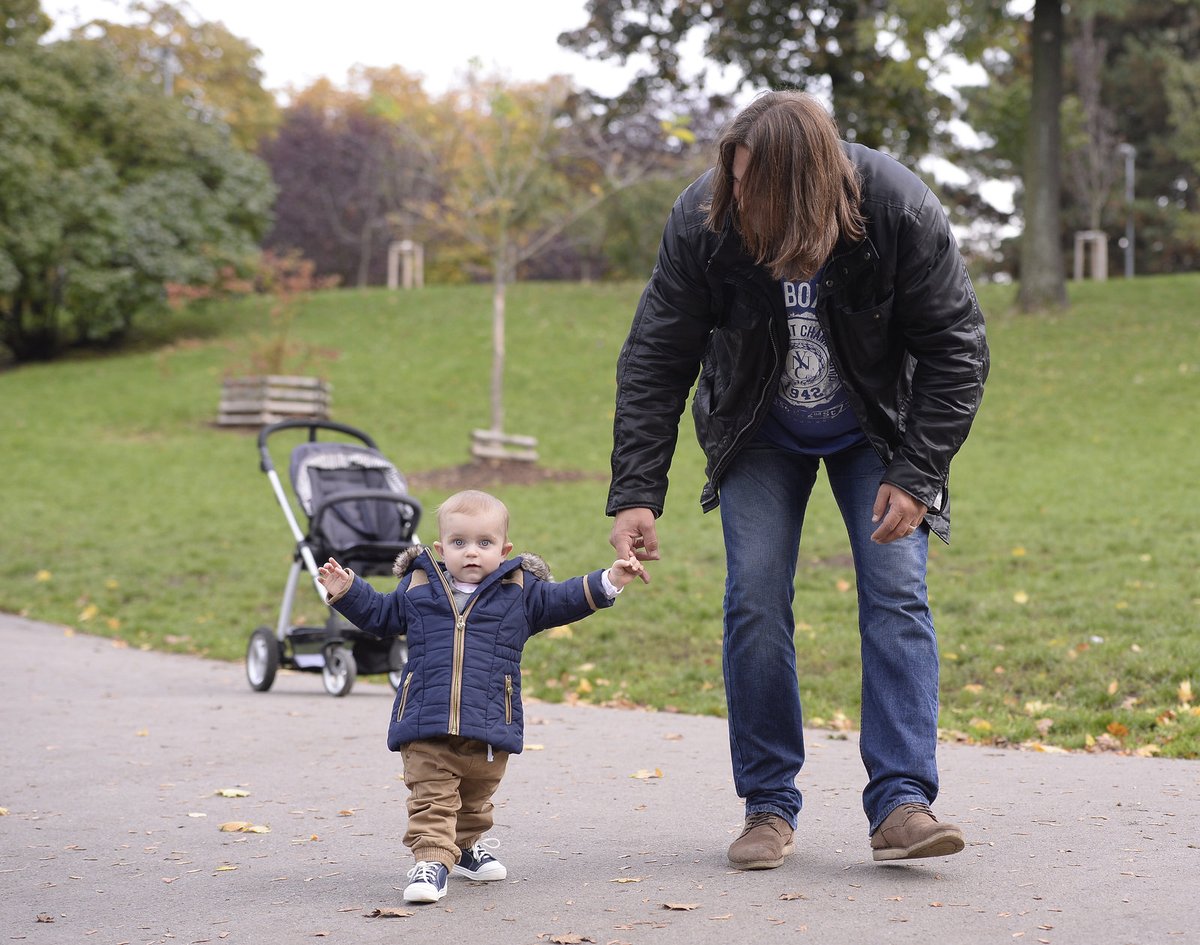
(898, 309)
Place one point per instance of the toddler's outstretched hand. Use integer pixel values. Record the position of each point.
(334, 578)
(624, 570)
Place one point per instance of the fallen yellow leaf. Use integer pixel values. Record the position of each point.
(231, 792)
(242, 826)
(681, 906)
(626, 879)
(1048, 749)
(644, 773)
(1021, 597)
(1185, 692)
(89, 612)
(43, 575)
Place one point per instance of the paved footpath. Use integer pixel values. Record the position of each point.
(112, 759)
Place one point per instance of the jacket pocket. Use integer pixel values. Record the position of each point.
(403, 697)
(866, 334)
(508, 697)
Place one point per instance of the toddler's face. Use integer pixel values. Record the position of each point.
(473, 546)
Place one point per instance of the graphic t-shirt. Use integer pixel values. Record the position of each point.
(810, 413)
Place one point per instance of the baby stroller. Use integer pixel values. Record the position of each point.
(360, 513)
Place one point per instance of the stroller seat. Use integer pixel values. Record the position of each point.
(357, 502)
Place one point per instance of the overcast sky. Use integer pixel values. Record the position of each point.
(302, 40)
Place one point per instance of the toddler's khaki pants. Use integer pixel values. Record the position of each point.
(450, 782)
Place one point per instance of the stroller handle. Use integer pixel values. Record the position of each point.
(312, 426)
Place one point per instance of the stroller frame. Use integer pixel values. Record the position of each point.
(338, 650)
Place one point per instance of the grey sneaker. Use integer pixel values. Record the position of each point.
(911, 832)
(764, 842)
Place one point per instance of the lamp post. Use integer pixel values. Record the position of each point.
(1129, 152)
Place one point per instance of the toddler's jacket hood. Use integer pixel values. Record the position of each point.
(529, 562)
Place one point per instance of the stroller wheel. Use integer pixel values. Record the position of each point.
(339, 671)
(262, 659)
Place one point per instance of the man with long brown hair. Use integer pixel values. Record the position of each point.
(816, 289)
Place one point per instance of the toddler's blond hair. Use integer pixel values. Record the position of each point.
(472, 502)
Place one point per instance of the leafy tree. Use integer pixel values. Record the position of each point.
(874, 60)
(1152, 82)
(21, 21)
(673, 138)
(1130, 87)
(108, 191)
(349, 164)
(215, 73)
(521, 163)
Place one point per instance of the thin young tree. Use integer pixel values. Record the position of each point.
(520, 164)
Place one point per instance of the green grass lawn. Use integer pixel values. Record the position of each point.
(1067, 606)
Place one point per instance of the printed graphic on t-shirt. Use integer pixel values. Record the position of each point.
(810, 380)
(810, 412)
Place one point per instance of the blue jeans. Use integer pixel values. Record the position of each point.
(763, 499)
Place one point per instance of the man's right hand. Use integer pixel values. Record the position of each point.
(634, 536)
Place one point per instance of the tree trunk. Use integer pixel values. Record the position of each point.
(499, 285)
(1043, 279)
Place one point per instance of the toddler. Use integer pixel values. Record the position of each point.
(467, 610)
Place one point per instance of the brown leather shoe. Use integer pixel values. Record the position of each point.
(764, 842)
(911, 831)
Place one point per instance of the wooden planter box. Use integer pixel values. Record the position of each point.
(269, 398)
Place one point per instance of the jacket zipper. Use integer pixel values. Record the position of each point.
(404, 697)
(508, 693)
(460, 647)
